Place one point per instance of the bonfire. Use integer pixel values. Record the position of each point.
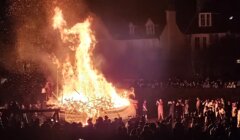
(84, 90)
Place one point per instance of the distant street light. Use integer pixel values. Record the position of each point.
(231, 18)
(238, 61)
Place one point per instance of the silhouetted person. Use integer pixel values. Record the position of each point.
(144, 109)
(159, 104)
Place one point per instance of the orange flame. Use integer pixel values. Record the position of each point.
(83, 88)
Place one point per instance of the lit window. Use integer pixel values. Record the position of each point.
(150, 27)
(150, 30)
(208, 20)
(205, 20)
(202, 22)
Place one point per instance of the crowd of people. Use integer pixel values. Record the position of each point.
(218, 108)
(181, 83)
(208, 119)
(176, 119)
(215, 118)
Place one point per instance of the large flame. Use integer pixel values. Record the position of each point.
(83, 88)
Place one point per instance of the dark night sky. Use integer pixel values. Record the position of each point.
(117, 11)
(133, 8)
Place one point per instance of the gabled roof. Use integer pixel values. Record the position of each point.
(149, 22)
(121, 29)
